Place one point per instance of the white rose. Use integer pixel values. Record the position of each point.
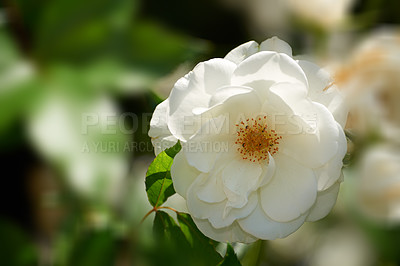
(63, 131)
(371, 79)
(326, 13)
(261, 151)
(376, 187)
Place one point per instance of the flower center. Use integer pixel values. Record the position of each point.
(255, 140)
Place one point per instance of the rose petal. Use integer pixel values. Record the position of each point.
(277, 45)
(211, 191)
(321, 91)
(337, 105)
(330, 172)
(261, 226)
(294, 95)
(244, 104)
(291, 192)
(274, 105)
(209, 143)
(287, 105)
(268, 171)
(240, 177)
(161, 137)
(268, 66)
(324, 203)
(194, 91)
(223, 93)
(230, 214)
(182, 174)
(158, 123)
(243, 51)
(219, 214)
(318, 78)
(233, 233)
(316, 143)
(236, 107)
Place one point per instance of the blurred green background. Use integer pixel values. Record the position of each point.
(71, 197)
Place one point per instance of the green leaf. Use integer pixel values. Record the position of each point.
(182, 243)
(158, 177)
(171, 152)
(163, 161)
(169, 241)
(196, 238)
(230, 258)
(165, 228)
(86, 28)
(159, 49)
(159, 188)
(18, 89)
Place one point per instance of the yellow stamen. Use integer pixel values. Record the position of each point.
(255, 140)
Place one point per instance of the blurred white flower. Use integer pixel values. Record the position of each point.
(371, 79)
(326, 13)
(276, 16)
(262, 142)
(15, 75)
(91, 161)
(339, 243)
(376, 185)
(344, 246)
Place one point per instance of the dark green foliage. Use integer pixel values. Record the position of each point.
(182, 243)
